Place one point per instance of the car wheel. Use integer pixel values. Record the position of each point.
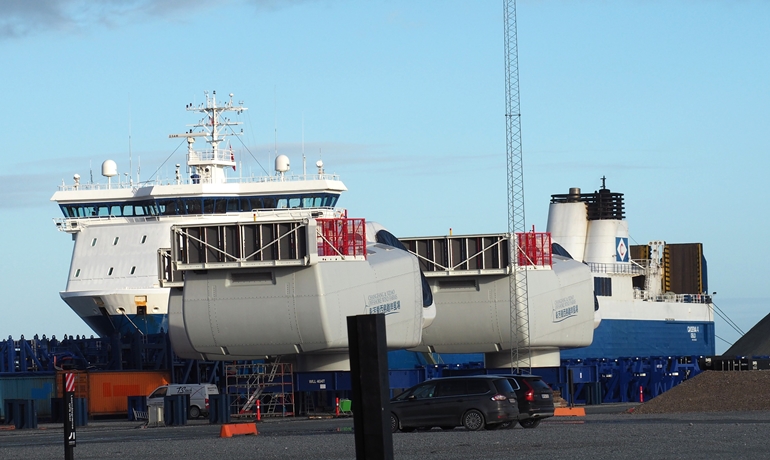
(447, 428)
(393, 423)
(529, 422)
(473, 420)
(194, 412)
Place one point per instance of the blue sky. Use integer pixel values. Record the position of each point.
(405, 100)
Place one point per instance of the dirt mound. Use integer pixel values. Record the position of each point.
(714, 391)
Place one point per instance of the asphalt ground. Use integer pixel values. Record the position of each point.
(605, 432)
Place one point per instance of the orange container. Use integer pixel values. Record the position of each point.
(107, 391)
(81, 383)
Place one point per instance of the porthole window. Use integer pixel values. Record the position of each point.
(93, 242)
(144, 238)
(110, 273)
(115, 241)
(77, 273)
(133, 269)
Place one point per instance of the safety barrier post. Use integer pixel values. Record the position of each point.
(259, 411)
(68, 382)
(337, 408)
(641, 394)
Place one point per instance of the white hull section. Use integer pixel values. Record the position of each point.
(252, 313)
(474, 314)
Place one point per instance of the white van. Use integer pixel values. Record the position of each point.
(199, 396)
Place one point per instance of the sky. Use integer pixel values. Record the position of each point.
(405, 101)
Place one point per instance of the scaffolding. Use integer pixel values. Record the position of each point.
(264, 388)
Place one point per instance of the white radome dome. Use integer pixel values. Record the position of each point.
(281, 163)
(109, 169)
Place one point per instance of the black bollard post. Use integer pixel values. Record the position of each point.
(369, 383)
(68, 384)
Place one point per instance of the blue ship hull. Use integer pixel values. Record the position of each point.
(631, 338)
(612, 339)
(106, 326)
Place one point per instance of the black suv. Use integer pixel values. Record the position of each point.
(535, 399)
(475, 402)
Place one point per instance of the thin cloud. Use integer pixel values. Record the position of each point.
(22, 18)
(27, 191)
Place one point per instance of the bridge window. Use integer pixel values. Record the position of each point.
(77, 273)
(221, 206)
(194, 206)
(184, 206)
(603, 286)
(115, 242)
(110, 272)
(234, 205)
(93, 242)
(144, 238)
(133, 269)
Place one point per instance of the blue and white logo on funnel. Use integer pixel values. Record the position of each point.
(621, 249)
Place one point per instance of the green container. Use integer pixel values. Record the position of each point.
(40, 386)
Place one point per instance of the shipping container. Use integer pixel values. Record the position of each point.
(107, 392)
(38, 386)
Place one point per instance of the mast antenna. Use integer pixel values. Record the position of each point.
(519, 308)
(304, 162)
(275, 121)
(130, 161)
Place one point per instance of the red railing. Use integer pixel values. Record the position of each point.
(534, 248)
(341, 237)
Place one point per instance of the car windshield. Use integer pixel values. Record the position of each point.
(159, 392)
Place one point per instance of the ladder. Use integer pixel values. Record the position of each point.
(249, 404)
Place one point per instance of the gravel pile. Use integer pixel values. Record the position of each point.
(714, 391)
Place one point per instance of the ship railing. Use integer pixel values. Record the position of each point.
(230, 180)
(617, 268)
(290, 178)
(71, 224)
(100, 186)
(198, 156)
(641, 294)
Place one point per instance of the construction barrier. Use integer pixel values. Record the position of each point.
(230, 429)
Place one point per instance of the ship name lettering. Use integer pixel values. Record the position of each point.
(386, 308)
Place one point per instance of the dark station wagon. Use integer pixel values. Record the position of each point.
(535, 399)
(475, 402)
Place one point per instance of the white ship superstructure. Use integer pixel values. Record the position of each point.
(652, 299)
(117, 228)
